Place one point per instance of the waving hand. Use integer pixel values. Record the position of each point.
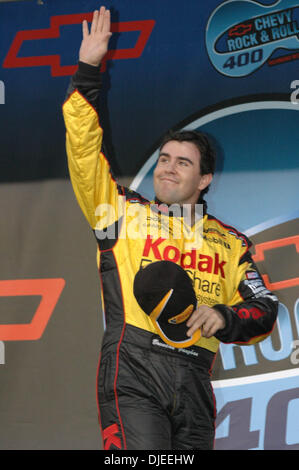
(94, 44)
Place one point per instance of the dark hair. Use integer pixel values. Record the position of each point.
(201, 141)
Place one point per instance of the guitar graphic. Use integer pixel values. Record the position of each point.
(241, 35)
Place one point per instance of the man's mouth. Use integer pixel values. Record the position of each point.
(169, 180)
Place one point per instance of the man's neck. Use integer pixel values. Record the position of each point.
(191, 212)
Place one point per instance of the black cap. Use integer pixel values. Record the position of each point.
(165, 293)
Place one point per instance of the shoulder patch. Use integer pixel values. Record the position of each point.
(232, 231)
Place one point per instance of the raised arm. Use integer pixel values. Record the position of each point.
(90, 173)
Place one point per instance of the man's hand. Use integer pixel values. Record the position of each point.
(206, 318)
(94, 44)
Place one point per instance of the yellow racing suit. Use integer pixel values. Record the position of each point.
(131, 232)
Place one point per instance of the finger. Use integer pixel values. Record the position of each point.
(85, 31)
(107, 22)
(192, 330)
(101, 19)
(196, 315)
(211, 332)
(196, 325)
(94, 23)
(209, 328)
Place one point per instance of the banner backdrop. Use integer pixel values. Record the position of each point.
(228, 68)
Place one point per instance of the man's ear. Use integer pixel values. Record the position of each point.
(205, 180)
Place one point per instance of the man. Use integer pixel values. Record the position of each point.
(152, 395)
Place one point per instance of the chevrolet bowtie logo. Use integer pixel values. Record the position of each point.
(12, 60)
(48, 289)
(259, 256)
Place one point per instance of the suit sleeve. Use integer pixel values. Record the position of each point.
(97, 192)
(252, 312)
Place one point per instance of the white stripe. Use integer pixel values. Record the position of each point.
(239, 108)
(270, 223)
(255, 378)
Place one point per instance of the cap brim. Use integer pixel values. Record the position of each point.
(174, 334)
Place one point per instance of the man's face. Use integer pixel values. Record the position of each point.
(177, 177)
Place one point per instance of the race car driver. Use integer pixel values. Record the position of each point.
(151, 393)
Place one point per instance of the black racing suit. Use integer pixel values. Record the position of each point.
(152, 395)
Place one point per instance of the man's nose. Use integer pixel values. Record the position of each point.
(171, 167)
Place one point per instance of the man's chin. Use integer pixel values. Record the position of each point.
(167, 199)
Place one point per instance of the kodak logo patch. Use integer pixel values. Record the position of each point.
(190, 259)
